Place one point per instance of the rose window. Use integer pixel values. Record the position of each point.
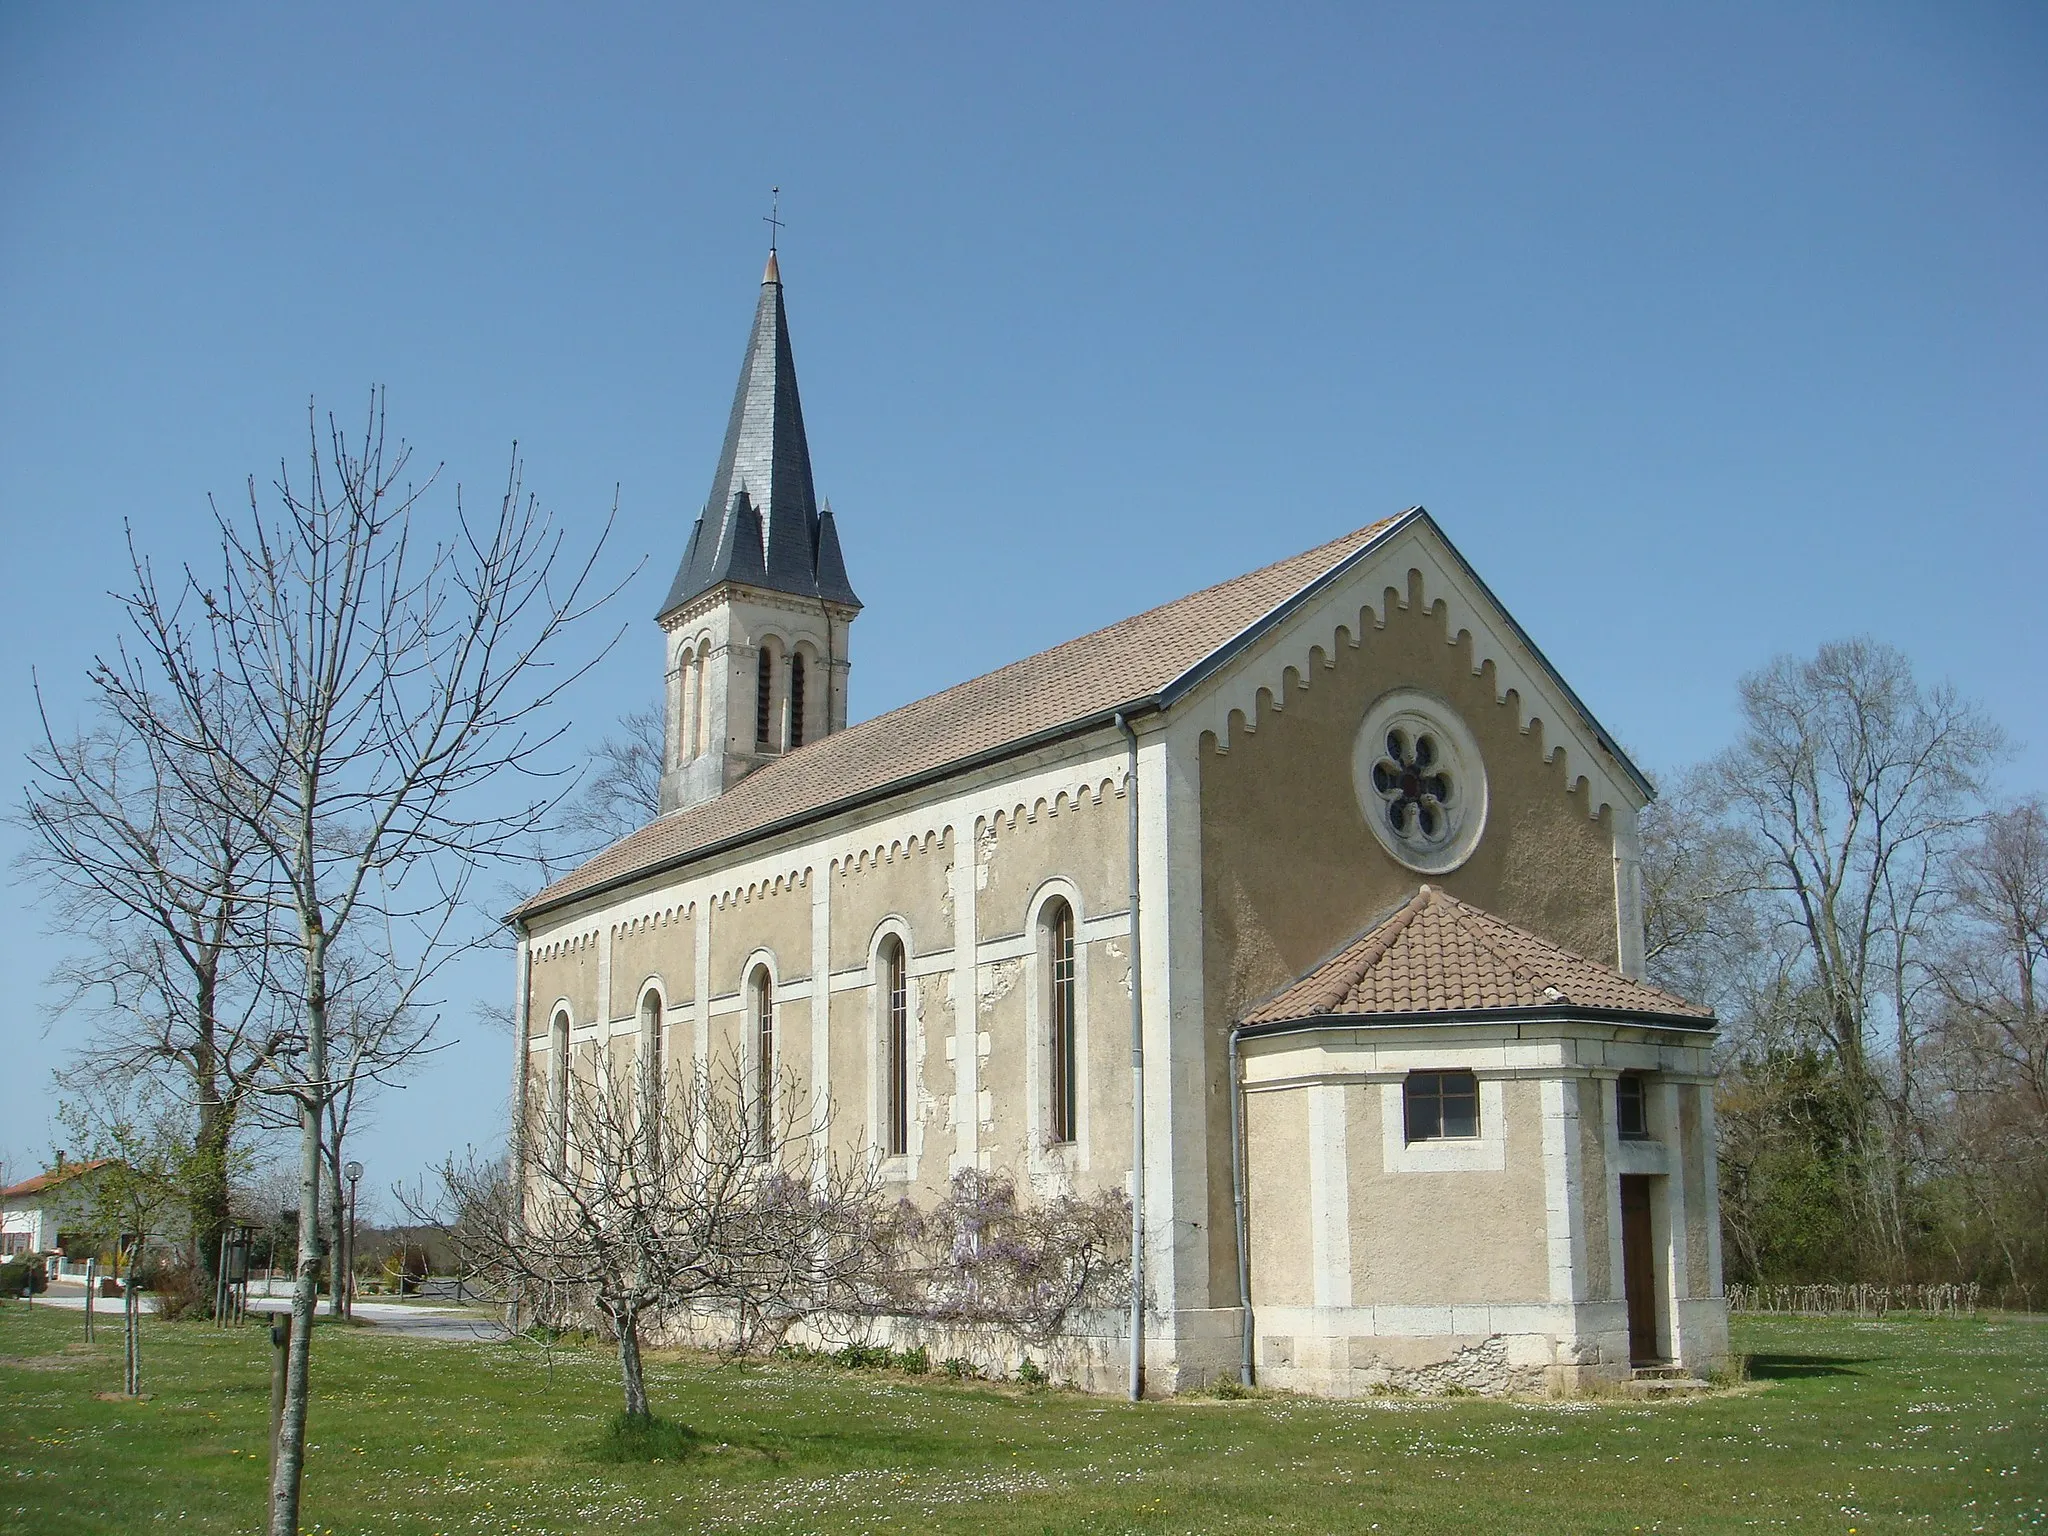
(1420, 782)
(1415, 784)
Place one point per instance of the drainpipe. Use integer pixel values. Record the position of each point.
(1137, 1085)
(1237, 1192)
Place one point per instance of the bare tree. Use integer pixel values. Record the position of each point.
(364, 701)
(689, 1197)
(1848, 775)
(622, 790)
(1703, 936)
(149, 889)
(1997, 980)
(1850, 784)
(374, 1042)
(1993, 1048)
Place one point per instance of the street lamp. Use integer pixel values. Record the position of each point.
(354, 1171)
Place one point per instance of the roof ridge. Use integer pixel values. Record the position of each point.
(1466, 959)
(1056, 689)
(1377, 941)
(873, 721)
(1485, 930)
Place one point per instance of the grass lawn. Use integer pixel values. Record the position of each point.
(1915, 1425)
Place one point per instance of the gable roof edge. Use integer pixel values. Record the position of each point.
(1586, 716)
(1220, 657)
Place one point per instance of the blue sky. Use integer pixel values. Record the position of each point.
(1706, 332)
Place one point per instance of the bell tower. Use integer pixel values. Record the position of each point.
(755, 625)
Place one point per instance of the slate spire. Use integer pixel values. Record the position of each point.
(763, 485)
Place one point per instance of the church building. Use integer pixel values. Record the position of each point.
(1305, 908)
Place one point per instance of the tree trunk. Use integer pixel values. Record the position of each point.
(337, 1214)
(208, 1201)
(628, 1322)
(291, 1434)
(131, 1336)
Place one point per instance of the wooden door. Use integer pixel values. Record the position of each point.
(1639, 1271)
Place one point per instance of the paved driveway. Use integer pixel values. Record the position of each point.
(444, 1324)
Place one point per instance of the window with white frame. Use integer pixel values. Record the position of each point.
(1057, 929)
(653, 1067)
(895, 1000)
(764, 701)
(1632, 1107)
(558, 1090)
(1441, 1106)
(761, 995)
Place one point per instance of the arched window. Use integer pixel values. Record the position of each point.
(651, 1060)
(686, 709)
(558, 1091)
(763, 990)
(1059, 993)
(896, 1044)
(796, 701)
(764, 701)
(700, 728)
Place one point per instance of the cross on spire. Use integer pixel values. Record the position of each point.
(773, 219)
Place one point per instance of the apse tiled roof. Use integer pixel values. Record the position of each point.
(1437, 954)
(1068, 686)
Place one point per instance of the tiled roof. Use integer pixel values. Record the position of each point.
(54, 1177)
(1082, 680)
(1437, 954)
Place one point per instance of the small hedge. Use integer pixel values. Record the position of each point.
(25, 1274)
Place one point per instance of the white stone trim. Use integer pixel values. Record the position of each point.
(966, 1014)
(818, 992)
(1485, 1153)
(1641, 1155)
(1264, 676)
(703, 1000)
(1329, 1194)
(1563, 1215)
(1418, 713)
(1051, 1164)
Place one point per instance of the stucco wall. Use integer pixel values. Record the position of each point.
(1291, 871)
(777, 920)
(1446, 1239)
(1084, 839)
(1277, 1187)
(662, 947)
(568, 972)
(908, 881)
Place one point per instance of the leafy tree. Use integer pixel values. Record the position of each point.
(137, 1133)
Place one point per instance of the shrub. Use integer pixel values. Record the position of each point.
(633, 1437)
(864, 1357)
(958, 1369)
(25, 1273)
(916, 1361)
(179, 1286)
(1031, 1373)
